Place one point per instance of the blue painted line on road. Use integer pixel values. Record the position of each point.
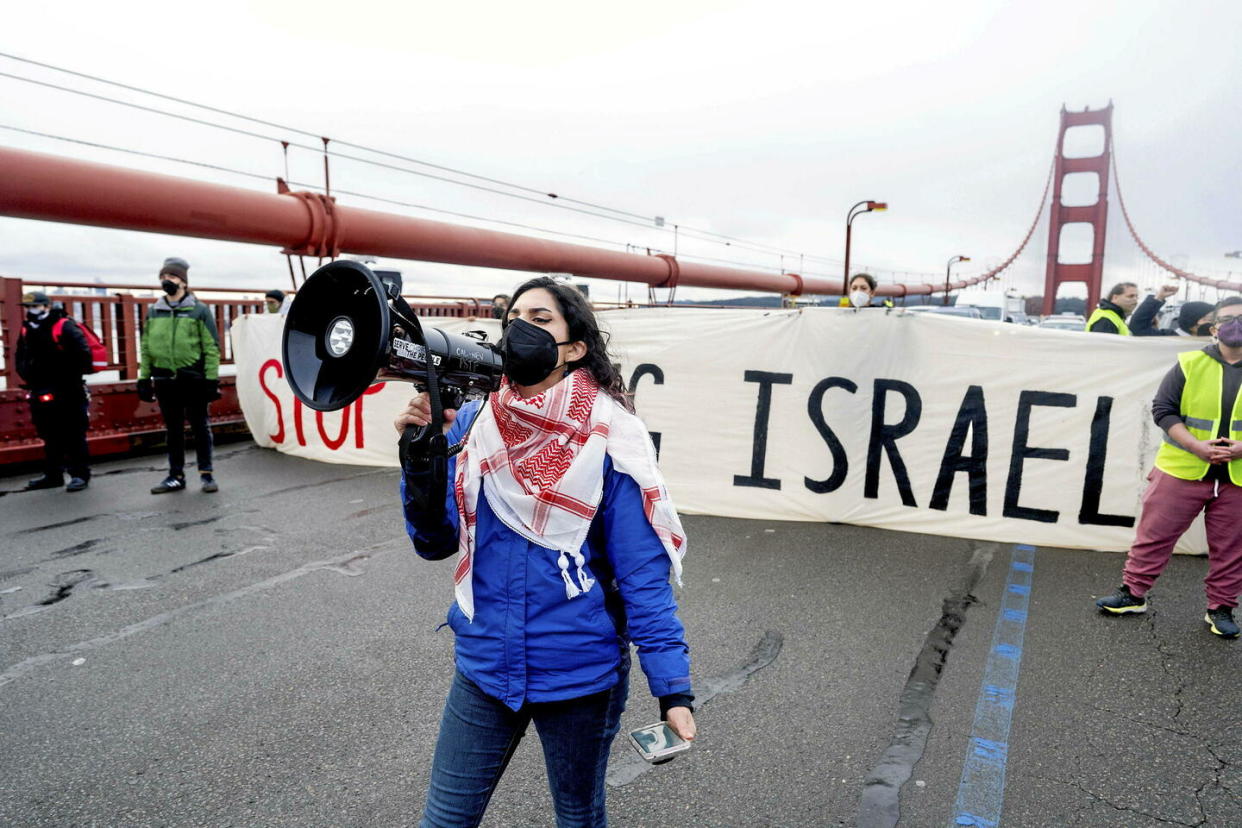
(989, 750)
(1002, 696)
(981, 794)
(1008, 651)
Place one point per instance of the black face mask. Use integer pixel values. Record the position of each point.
(170, 287)
(1203, 330)
(529, 353)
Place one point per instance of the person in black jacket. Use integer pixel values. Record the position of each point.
(1195, 319)
(52, 356)
(1122, 301)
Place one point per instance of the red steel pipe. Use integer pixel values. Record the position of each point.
(52, 188)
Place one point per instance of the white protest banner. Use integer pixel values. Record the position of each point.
(913, 422)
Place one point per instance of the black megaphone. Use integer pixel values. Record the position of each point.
(348, 328)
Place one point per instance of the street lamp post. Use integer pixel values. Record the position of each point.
(947, 269)
(868, 206)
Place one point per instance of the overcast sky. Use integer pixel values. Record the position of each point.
(762, 120)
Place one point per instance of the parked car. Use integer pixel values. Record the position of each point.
(1064, 322)
(967, 311)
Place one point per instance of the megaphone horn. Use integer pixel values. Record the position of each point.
(347, 329)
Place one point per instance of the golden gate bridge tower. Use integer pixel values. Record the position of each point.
(1061, 216)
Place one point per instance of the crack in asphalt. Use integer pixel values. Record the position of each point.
(73, 522)
(177, 527)
(343, 564)
(213, 557)
(764, 653)
(16, 573)
(147, 581)
(348, 567)
(77, 549)
(334, 480)
(1142, 722)
(1166, 656)
(880, 803)
(63, 585)
(1221, 764)
(1098, 797)
(372, 510)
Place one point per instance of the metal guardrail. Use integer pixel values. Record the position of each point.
(119, 421)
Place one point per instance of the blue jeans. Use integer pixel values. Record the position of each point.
(478, 736)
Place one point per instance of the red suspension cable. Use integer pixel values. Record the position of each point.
(1176, 271)
(911, 290)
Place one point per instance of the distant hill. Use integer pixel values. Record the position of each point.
(737, 302)
(1033, 303)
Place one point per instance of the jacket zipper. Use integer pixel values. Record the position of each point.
(172, 350)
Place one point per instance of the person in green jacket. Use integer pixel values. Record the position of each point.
(180, 370)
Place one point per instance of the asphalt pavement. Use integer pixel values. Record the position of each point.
(269, 655)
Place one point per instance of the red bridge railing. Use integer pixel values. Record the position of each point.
(119, 421)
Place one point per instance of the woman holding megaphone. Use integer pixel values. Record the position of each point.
(566, 539)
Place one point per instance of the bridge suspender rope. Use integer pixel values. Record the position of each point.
(1176, 271)
(911, 290)
(1030, 232)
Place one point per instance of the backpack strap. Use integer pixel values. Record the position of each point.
(58, 328)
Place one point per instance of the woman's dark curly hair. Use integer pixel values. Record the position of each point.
(866, 277)
(582, 328)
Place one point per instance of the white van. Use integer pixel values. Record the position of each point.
(995, 305)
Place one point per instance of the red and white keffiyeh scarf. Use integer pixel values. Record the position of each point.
(540, 461)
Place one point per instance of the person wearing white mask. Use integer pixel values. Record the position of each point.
(862, 290)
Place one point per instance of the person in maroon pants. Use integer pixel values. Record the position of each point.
(1198, 469)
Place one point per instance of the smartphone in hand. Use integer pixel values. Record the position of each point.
(657, 743)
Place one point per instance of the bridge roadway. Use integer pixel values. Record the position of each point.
(268, 656)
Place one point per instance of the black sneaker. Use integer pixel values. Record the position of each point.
(47, 481)
(77, 484)
(209, 484)
(169, 484)
(1121, 602)
(1221, 622)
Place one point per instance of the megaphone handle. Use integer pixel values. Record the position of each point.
(424, 453)
(411, 436)
(429, 437)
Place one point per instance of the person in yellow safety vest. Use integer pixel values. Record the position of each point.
(1198, 469)
(1122, 300)
(862, 292)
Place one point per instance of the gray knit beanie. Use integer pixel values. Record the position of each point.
(177, 267)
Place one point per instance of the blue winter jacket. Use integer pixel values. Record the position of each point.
(528, 642)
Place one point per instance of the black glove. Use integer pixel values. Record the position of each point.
(146, 390)
(211, 390)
